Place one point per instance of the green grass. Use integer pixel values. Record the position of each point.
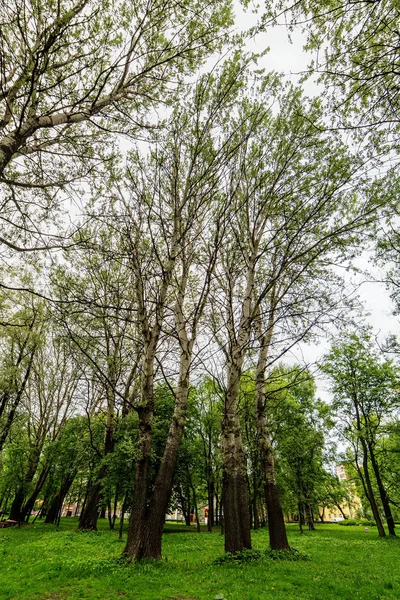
(46, 563)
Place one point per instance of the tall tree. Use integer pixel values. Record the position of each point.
(97, 315)
(174, 220)
(365, 393)
(293, 212)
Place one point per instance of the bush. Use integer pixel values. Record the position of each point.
(354, 522)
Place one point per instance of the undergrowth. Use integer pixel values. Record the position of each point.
(257, 555)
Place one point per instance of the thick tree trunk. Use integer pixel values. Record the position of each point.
(90, 513)
(30, 503)
(16, 506)
(276, 523)
(237, 525)
(147, 521)
(234, 479)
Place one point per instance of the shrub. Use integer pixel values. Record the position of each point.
(354, 522)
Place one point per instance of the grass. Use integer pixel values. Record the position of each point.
(46, 563)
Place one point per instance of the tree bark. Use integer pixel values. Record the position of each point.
(30, 503)
(382, 492)
(54, 509)
(147, 521)
(16, 506)
(234, 480)
(309, 517)
(370, 491)
(90, 513)
(276, 523)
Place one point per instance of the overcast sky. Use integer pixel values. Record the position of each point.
(290, 58)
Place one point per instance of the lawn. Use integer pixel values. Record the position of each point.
(49, 563)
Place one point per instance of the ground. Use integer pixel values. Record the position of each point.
(42, 562)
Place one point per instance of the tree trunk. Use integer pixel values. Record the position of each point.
(196, 509)
(234, 480)
(382, 492)
(342, 512)
(122, 518)
(16, 513)
(210, 498)
(90, 513)
(309, 517)
(54, 510)
(185, 506)
(16, 401)
(16, 506)
(30, 503)
(147, 521)
(276, 522)
(370, 491)
(256, 516)
(301, 516)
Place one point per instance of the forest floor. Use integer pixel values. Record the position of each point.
(43, 562)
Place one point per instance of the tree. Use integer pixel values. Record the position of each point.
(365, 391)
(359, 42)
(67, 458)
(71, 73)
(47, 403)
(294, 214)
(298, 423)
(21, 338)
(95, 309)
(172, 219)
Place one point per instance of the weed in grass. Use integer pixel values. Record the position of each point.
(256, 555)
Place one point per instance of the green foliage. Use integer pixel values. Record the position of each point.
(359, 45)
(354, 522)
(299, 423)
